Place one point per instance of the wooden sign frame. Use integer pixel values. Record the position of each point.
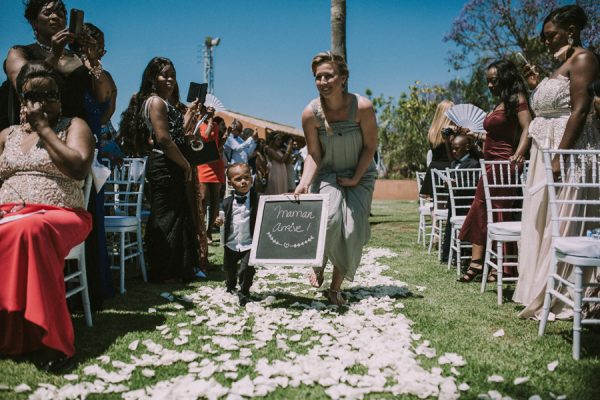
(313, 261)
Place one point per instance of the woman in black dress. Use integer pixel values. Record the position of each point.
(154, 113)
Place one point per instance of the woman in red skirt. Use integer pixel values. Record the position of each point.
(43, 162)
(509, 118)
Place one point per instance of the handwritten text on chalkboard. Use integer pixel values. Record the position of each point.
(289, 232)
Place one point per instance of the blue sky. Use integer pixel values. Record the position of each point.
(262, 66)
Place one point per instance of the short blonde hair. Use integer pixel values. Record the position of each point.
(329, 57)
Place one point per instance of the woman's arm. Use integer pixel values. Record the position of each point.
(160, 125)
(15, 60)
(524, 118)
(190, 113)
(313, 159)
(112, 97)
(368, 126)
(584, 70)
(72, 157)
(275, 155)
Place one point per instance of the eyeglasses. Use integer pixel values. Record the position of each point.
(41, 96)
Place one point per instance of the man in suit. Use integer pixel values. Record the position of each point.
(464, 157)
(240, 216)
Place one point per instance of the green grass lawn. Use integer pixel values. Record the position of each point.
(453, 316)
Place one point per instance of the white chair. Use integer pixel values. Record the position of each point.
(462, 184)
(439, 212)
(424, 211)
(501, 176)
(573, 199)
(79, 277)
(124, 193)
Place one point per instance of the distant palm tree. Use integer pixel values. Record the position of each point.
(338, 27)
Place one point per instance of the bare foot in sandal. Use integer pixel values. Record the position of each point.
(335, 298)
(475, 269)
(316, 277)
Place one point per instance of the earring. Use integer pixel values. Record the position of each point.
(570, 41)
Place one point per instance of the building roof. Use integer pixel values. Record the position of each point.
(262, 125)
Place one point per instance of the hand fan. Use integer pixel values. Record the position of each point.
(467, 116)
(214, 102)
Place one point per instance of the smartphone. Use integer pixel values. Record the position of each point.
(197, 91)
(76, 21)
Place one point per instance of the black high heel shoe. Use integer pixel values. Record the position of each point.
(471, 273)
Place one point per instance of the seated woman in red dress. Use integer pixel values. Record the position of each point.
(509, 118)
(43, 162)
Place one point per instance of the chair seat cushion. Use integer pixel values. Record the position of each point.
(426, 209)
(509, 228)
(579, 246)
(111, 221)
(458, 220)
(441, 213)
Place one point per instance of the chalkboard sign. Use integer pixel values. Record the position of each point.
(290, 231)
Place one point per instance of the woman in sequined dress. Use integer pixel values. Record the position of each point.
(43, 163)
(563, 121)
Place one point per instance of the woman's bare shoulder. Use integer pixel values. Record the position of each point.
(364, 103)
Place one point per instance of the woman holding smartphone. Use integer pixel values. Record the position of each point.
(48, 19)
(563, 120)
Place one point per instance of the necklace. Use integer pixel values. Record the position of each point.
(48, 49)
(44, 47)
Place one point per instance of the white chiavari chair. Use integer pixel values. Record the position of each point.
(574, 202)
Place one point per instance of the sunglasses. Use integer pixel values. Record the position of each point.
(41, 96)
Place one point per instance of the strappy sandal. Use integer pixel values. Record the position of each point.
(335, 298)
(492, 277)
(316, 277)
(471, 273)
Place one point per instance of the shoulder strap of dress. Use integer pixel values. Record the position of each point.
(353, 108)
(317, 110)
(146, 110)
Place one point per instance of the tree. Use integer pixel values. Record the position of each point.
(486, 30)
(493, 29)
(338, 27)
(403, 127)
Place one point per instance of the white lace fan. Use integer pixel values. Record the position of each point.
(467, 116)
(214, 102)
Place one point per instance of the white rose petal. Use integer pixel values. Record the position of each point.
(520, 380)
(23, 387)
(498, 333)
(552, 366)
(495, 378)
(148, 373)
(134, 345)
